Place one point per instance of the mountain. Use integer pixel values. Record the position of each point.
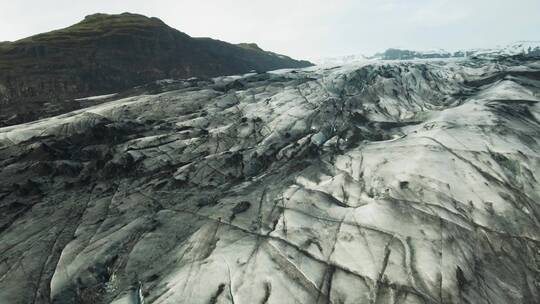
(527, 48)
(103, 54)
(402, 54)
(382, 182)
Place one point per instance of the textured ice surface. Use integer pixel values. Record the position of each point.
(397, 182)
(101, 97)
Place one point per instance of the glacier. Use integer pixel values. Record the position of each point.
(518, 48)
(375, 182)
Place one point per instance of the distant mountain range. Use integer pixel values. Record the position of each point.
(103, 54)
(530, 48)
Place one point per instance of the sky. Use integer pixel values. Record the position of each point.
(306, 29)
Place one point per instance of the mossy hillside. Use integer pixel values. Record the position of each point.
(100, 24)
(105, 54)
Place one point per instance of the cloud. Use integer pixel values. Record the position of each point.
(439, 13)
(302, 28)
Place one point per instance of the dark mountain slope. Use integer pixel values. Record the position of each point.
(102, 54)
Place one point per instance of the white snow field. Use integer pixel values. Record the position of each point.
(380, 182)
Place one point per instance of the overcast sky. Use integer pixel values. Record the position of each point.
(304, 29)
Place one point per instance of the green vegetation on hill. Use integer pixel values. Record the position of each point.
(109, 53)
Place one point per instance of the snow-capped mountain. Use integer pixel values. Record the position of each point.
(520, 47)
(517, 48)
(379, 182)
